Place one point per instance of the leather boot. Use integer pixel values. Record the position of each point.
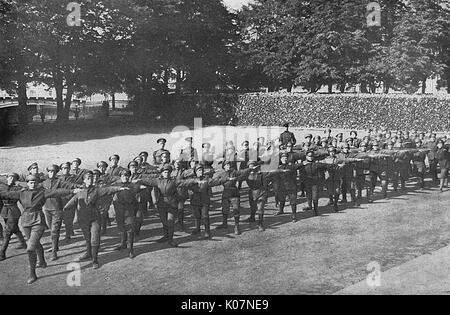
(354, 198)
(224, 224)
(180, 222)
(237, 230)
(294, 213)
(281, 208)
(171, 242)
(250, 219)
(207, 228)
(123, 242)
(32, 258)
(5, 244)
(131, 244)
(165, 237)
(95, 264)
(88, 254)
(22, 242)
(41, 263)
(55, 240)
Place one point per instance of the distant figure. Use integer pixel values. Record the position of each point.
(77, 112)
(42, 114)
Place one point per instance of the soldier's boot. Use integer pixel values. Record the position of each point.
(180, 222)
(32, 258)
(165, 237)
(251, 218)
(441, 185)
(68, 235)
(207, 228)
(88, 254)
(131, 244)
(22, 242)
(224, 225)
(41, 263)
(5, 244)
(196, 230)
(403, 184)
(330, 201)
(422, 182)
(237, 230)
(138, 226)
(280, 208)
(294, 213)
(123, 242)
(170, 241)
(95, 264)
(261, 223)
(336, 200)
(316, 208)
(55, 240)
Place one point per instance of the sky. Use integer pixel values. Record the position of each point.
(235, 4)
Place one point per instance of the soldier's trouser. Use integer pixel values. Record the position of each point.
(11, 227)
(201, 215)
(180, 213)
(34, 246)
(54, 221)
(103, 218)
(419, 170)
(369, 186)
(282, 198)
(257, 206)
(359, 185)
(91, 233)
(233, 204)
(433, 170)
(167, 216)
(345, 186)
(312, 193)
(404, 175)
(140, 217)
(68, 218)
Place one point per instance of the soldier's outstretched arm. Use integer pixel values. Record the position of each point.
(15, 195)
(59, 192)
(103, 191)
(71, 204)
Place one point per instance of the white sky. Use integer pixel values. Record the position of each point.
(235, 4)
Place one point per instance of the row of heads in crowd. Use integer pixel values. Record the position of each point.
(372, 141)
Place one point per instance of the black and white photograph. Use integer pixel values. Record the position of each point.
(224, 152)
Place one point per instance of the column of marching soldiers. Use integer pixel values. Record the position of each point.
(280, 167)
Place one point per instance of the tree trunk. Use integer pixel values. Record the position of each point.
(178, 84)
(386, 87)
(330, 88)
(68, 101)
(424, 86)
(113, 100)
(58, 81)
(22, 95)
(342, 87)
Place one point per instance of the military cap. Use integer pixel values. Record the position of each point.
(206, 145)
(96, 172)
(286, 125)
(31, 178)
(189, 139)
(102, 163)
(310, 152)
(138, 158)
(284, 154)
(226, 162)
(143, 154)
(167, 167)
(88, 173)
(125, 173)
(198, 166)
(34, 165)
(165, 153)
(77, 160)
(340, 135)
(15, 176)
(132, 163)
(289, 144)
(64, 165)
(161, 140)
(245, 143)
(54, 168)
(114, 157)
(309, 136)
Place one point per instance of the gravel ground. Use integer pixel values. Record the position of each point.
(320, 255)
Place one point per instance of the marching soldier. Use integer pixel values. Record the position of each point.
(76, 171)
(114, 169)
(167, 202)
(33, 169)
(126, 207)
(158, 153)
(333, 178)
(442, 156)
(188, 154)
(230, 196)
(85, 203)
(244, 157)
(432, 161)
(10, 213)
(53, 207)
(418, 159)
(287, 136)
(179, 173)
(101, 179)
(145, 165)
(287, 185)
(68, 216)
(33, 219)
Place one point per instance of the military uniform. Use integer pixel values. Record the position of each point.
(10, 213)
(33, 220)
(287, 186)
(333, 177)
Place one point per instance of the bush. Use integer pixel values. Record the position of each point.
(356, 111)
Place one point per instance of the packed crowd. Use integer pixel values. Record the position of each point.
(166, 180)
